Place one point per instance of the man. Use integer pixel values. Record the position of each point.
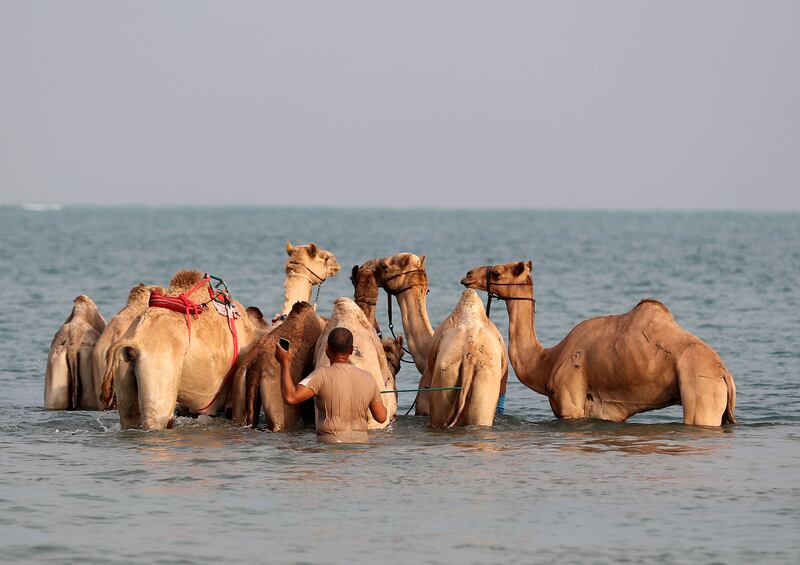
(342, 393)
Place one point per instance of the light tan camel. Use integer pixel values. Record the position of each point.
(367, 352)
(611, 367)
(116, 328)
(403, 276)
(257, 381)
(467, 351)
(307, 266)
(166, 358)
(366, 297)
(68, 381)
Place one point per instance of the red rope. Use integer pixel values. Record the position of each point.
(182, 304)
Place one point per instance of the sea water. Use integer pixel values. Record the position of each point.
(76, 489)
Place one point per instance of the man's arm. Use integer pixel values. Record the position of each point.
(291, 394)
(378, 409)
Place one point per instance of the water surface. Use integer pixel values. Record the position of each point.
(75, 489)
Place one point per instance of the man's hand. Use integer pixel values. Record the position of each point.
(283, 357)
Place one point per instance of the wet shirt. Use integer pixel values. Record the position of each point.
(342, 395)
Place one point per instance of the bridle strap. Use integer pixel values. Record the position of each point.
(409, 287)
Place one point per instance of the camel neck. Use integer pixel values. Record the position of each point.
(296, 288)
(528, 357)
(416, 326)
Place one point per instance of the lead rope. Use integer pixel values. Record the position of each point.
(391, 329)
(316, 298)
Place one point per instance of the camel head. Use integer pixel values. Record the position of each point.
(393, 349)
(509, 280)
(311, 261)
(400, 272)
(365, 283)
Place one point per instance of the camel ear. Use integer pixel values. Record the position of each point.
(530, 266)
(289, 247)
(519, 268)
(422, 261)
(312, 249)
(354, 274)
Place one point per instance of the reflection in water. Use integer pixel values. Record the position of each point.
(666, 439)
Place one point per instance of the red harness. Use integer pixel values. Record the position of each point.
(182, 304)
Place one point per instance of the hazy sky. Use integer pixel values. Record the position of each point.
(464, 104)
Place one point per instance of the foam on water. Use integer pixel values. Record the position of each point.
(74, 488)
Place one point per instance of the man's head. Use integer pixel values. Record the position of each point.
(340, 343)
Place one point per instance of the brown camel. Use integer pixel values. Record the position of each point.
(168, 357)
(364, 279)
(116, 328)
(68, 383)
(257, 380)
(468, 351)
(611, 367)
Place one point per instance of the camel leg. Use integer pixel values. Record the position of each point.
(88, 396)
(127, 394)
(238, 396)
(424, 398)
(568, 400)
(704, 393)
(56, 383)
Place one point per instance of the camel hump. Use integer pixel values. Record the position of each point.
(654, 302)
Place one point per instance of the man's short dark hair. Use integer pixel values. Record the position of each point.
(340, 340)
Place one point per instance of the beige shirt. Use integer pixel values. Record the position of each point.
(342, 395)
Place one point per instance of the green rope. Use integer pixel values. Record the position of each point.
(424, 389)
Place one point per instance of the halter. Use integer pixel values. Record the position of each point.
(490, 294)
(319, 284)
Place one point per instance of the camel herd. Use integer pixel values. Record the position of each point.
(190, 349)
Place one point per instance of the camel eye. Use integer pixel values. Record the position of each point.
(495, 275)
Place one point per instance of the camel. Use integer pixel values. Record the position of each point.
(257, 317)
(365, 282)
(367, 354)
(403, 276)
(169, 357)
(257, 380)
(611, 367)
(68, 383)
(467, 350)
(138, 299)
(393, 350)
(307, 266)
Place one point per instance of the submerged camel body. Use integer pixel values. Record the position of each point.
(367, 354)
(257, 380)
(612, 367)
(138, 299)
(468, 351)
(68, 383)
(159, 362)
